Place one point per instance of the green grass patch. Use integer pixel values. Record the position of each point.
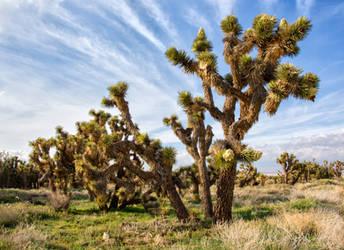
(303, 204)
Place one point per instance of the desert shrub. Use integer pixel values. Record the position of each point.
(9, 217)
(59, 200)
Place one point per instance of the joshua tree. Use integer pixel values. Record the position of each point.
(247, 175)
(253, 82)
(16, 173)
(262, 178)
(58, 170)
(99, 166)
(337, 168)
(189, 175)
(197, 139)
(323, 171)
(292, 168)
(159, 159)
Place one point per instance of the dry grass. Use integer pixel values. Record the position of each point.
(59, 201)
(23, 237)
(304, 216)
(259, 195)
(319, 229)
(8, 216)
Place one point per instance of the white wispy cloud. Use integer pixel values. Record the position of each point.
(304, 6)
(268, 4)
(194, 18)
(34, 103)
(128, 15)
(161, 18)
(223, 7)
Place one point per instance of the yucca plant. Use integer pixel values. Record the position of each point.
(337, 168)
(247, 175)
(58, 170)
(17, 173)
(293, 169)
(160, 159)
(99, 165)
(253, 82)
(196, 137)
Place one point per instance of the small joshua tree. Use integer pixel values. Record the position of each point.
(58, 170)
(247, 176)
(292, 168)
(197, 138)
(159, 159)
(190, 178)
(262, 178)
(252, 83)
(16, 173)
(337, 168)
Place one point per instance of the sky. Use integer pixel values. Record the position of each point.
(57, 58)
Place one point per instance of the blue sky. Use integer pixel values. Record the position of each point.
(58, 57)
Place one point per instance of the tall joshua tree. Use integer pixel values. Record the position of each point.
(159, 159)
(197, 138)
(252, 83)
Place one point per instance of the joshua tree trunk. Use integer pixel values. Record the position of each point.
(176, 202)
(225, 193)
(286, 177)
(195, 191)
(114, 200)
(205, 184)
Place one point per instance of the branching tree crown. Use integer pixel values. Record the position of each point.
(253, 82)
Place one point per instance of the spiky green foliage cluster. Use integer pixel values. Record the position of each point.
(201, 43)
(143, 139)
(298, 30)
(107, 103)
(290, 82)
(207, 59)
(308, 87)
(109, 140)
(250, 155)
(118, 90)
(185, 99)
(180, 58)
(230, 24)
(246, 59)
(264, 27)
(168, 156)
